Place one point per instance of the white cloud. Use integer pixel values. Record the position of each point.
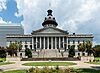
(3, 5)
(83, 14)
(2, 21)
(80, 16)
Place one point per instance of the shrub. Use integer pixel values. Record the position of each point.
(71, 51)
(51, 70)
(28, 53)
(2, 52)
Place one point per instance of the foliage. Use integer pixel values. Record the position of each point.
(49, 64)
(28, 52)
(54, 70)
(86, 46)
(2, 52)
(13, 48)
(82, 47)
(96, 50)
(89, 49)
(71, 51)
(51, 70)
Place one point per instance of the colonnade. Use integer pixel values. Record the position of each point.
(49, 43)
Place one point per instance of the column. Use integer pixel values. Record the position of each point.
(44, 43)
(23, 47)
(59, 43)
(76, 45)
(51, 42)
(48, 43)
(40, 42)
(32, 42)
(55, 43)
(63, 42)
(67, 43)
(36, 42)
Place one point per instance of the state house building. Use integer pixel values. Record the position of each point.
(49, 37)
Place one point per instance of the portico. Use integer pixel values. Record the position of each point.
(49, 42)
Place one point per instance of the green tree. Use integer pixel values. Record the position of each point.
(96, 50)
(81, 47)
(71, 50)
(28, 52)
(89, 49)
(12, 49)
(19, 45)
(2, 52)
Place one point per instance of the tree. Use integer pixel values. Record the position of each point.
(89, 49)
(12, 49)
(82, 47)
(28, 53)
(2, 52)
(19, 45)
(96, 50)
(71, 50)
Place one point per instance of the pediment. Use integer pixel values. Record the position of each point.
(49, 30)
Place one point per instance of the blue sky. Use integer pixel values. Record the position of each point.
(9, 13)
(79, 16)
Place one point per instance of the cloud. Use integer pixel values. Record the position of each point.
(80, 16)
(34, 12)
(3, 5)
(2, 21)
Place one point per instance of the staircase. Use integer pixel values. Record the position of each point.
(48, 53)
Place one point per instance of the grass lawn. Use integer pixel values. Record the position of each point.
(5, 63)
(15, 71)
(98, 63)
(2, 59)
(49, 64)
(79, 71)
(97, 58)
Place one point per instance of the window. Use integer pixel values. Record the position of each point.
(83, 54)
(30, 42)
(15, 41)
(10, 41)
(49, 17)
(78, 54)
(20, 42)
(78, 41)
(30, 46)
(68, 41)
(73, 41)
(25, 46)
(25, 42)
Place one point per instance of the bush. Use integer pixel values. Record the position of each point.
(28, 53)
(2, 52)
(51, 70)
(71, 51)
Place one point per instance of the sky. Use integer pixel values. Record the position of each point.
(75, 16)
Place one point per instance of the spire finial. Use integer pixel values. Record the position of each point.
(49, 4)
(49, 12)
